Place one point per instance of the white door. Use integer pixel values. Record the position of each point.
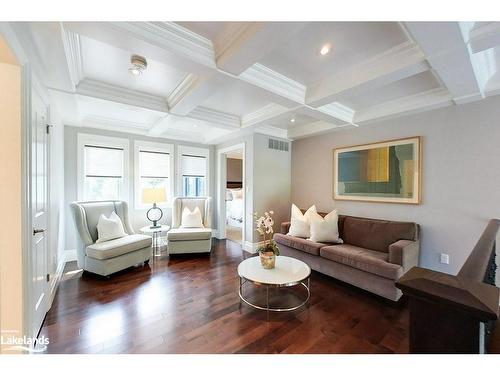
(39, 211)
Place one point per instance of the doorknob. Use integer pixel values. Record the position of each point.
(36, 230)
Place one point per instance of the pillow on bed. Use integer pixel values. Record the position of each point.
(300, 223)
(237, 193)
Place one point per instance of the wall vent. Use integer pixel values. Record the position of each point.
(276, 144)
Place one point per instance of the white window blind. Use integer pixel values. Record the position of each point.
(103, 172)
(193, 171)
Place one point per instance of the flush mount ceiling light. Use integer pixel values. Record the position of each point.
(325, 49)
(139, 64)
(292, 120)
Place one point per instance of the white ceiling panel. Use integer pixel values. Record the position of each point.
(103, 62)
(351, 43)
(237, 98)
(416, 84)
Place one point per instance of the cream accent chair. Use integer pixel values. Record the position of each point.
(190, 240)
(107, 257)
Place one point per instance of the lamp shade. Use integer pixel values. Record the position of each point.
(154, 195)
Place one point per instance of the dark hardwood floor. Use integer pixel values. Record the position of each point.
(190, 304)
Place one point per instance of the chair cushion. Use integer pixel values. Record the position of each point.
(371, 261)
(119, 246)
(189, 234)
(298, 243)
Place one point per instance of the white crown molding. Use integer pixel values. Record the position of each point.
(112, 122)
(338, 111)
(106, 91)
(183, 89)
(174, 38)
(263, 114)
(272, 131)
(73, 52)
(468, 98)
(401, 61)
(216, 118)
(233, 36)
(162, 125)
(263, 77)
(484, 37)
(425, 100)
(314, 128)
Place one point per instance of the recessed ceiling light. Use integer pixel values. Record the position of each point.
(139, 64)
(325, 49)
(292, 120)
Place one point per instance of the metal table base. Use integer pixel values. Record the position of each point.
(305, 283)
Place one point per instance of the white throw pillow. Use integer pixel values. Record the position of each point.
(237, 193)
(325, 229)
(191, 219)
(300, 223)
(109, 228)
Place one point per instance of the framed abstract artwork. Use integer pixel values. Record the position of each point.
(387, 171)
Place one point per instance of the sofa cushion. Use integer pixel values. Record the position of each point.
(119, 246)
(298, 243)
(189, 234)
(371, 261)
(376, 234)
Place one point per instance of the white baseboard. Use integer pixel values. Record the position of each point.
(70, 255)
(252, 247)
(57, 278)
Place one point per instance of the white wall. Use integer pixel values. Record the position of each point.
(267, 181)
(460, 172)
(137, 217)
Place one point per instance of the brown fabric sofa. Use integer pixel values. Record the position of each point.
(375, 253)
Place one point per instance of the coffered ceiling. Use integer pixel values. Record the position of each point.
(212, 81)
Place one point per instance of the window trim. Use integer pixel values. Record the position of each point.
(193, 151)
(87, 139)
(153, 147)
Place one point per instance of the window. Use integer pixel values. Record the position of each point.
(153, 169)
(102, 168)
(193, 171)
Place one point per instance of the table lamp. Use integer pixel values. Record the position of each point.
(154, 195)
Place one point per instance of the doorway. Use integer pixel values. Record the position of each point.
(232, 194)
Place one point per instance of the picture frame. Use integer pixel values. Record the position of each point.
(385, 172)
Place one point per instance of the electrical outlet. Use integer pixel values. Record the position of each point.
(445, 258)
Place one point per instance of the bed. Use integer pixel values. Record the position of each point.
(234, 204)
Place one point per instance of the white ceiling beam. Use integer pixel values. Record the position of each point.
(292, 92)
(390, 66)
(447, 53)
(263, 115)
(335, 113)
(216, 118)
(245, 43)
(193, 90)
(427, 100)
(314, 128)
(106, 91)
(165, 42)
(484, 37)
(162, 125)
(73, 52)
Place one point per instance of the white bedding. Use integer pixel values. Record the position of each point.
(234, 212)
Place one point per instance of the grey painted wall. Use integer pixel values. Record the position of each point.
(234, 170)
(460, 171)
(272, 180)
(138, 217)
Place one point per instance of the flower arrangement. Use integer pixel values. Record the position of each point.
(269, 250)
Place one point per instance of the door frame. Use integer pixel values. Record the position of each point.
(221, 189)
(28, 82)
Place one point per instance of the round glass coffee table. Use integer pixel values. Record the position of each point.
(288, 272)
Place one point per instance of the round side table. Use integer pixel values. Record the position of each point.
(155, 233)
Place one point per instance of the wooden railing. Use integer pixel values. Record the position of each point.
(454, 314)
